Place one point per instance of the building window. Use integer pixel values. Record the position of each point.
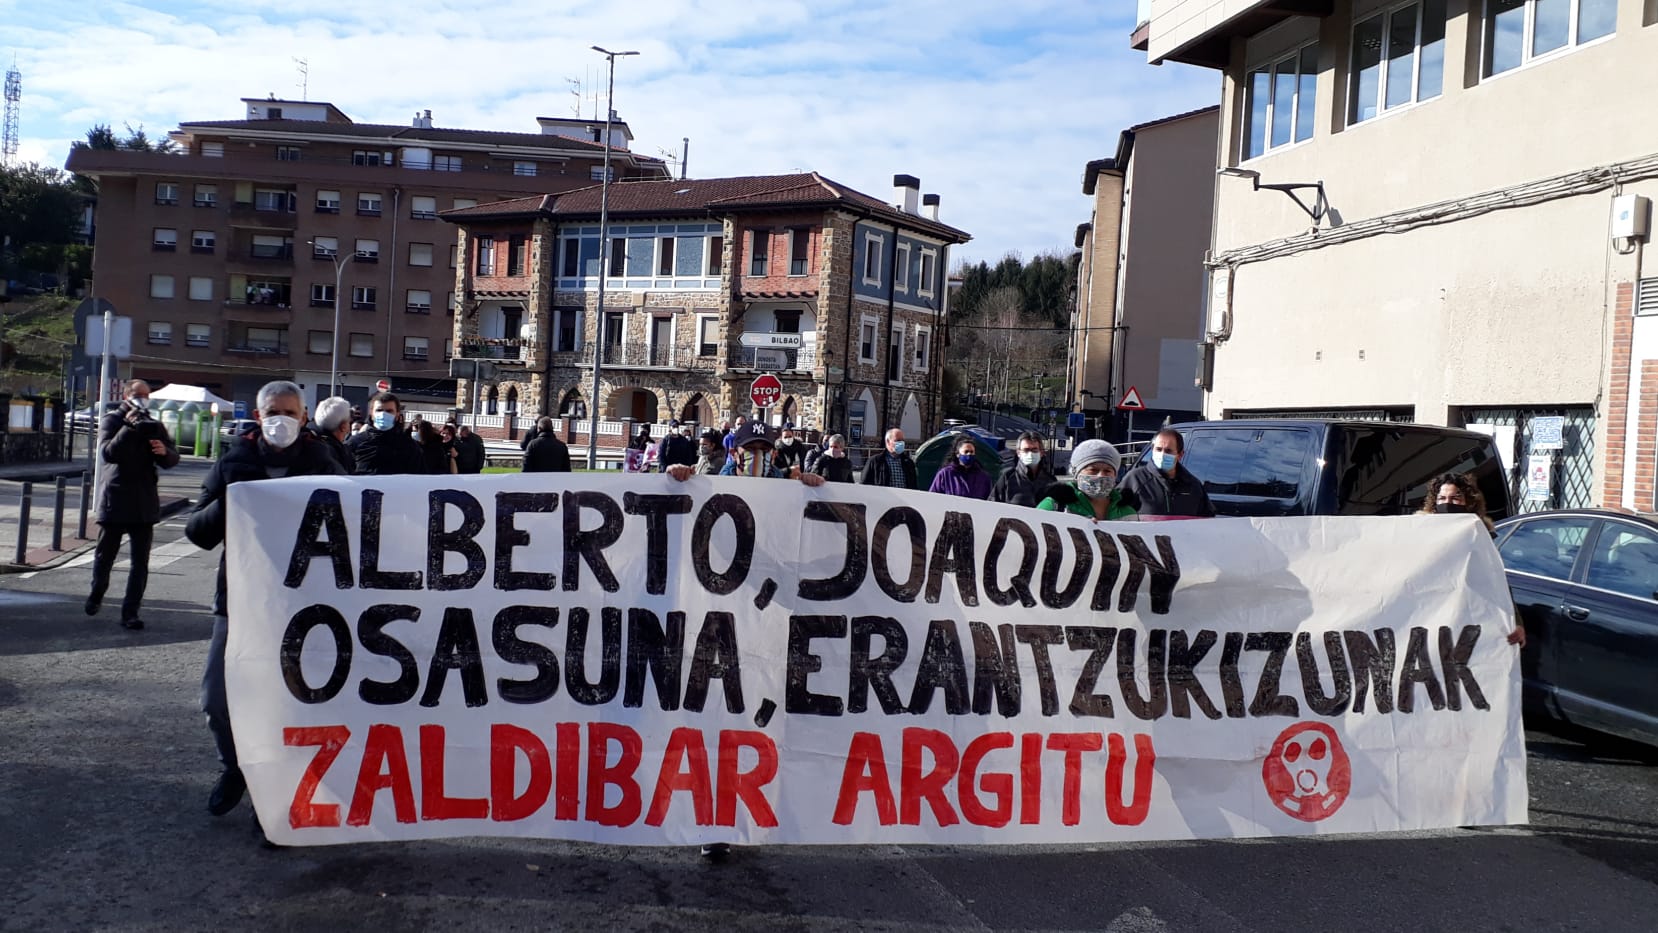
(213, 150)
(451, 304)
(320, 341)
(448, 350)
(665, 255)
(420, 254)
(325, 247)
(423, 208)
(271, 247)
(367, 251)
(161, 333)
(328, 202)
(571, 262)
(872, 258)
(596, 173)
(364, 157)
(164, 239)
(362, 345)
(287, 153)
(486, 255)
(201, 288)
(923, 349)
(567, 330)
(1398, 59)
(206, 196)
(518, 250)
(166, 192)
(716, 255)
(800, 251)
(758, 249)
(414, 348)
(203, 241)
(322, 296)
(901, 268)
(363, 297)
(618, 256)
(454, 255)
(1279, 102)
(198, 335)
(523, 168)
(419, 302)
(1517, 31)
(273, 200)
(161, 286)
(368, 205)
(448, 163)
(929, 268)
(895, 359)
(464, 202)
(867, 330)
(708, 336)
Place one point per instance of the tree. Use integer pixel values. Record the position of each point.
(100, 137)
(38, 206)
(138, 141)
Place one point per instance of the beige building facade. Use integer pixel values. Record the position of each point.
(1139, 314)
(1434, 211)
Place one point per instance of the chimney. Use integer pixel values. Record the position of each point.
(906, 189)
(422, 122)
(930, 203)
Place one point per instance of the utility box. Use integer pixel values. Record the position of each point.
(1630, 216)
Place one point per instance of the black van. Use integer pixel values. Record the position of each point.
(1319, 467)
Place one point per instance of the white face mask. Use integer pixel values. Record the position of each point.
(280, 430)
(1030, 458)
(837, 452)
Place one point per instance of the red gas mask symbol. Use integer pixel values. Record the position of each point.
(1307, 773)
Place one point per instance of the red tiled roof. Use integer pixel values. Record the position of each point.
(702, 196)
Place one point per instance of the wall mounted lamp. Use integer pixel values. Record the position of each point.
(1316, 210)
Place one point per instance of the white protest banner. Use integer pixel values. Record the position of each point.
(642, 661)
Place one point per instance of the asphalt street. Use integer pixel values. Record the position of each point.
(105, 766)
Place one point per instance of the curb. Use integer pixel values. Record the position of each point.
(168, 510)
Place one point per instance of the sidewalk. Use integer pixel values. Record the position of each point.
(178, 488)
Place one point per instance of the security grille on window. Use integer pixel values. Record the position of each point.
(1280, 101)
(166, 193)
(423, 208)
(319, 341)
(201, 288)
(368, 205)
(164, 239)
(203, 241)
(363, 297)
(419, 301)
(198, 335)
(1518, 31)
(362, 345)
(328, 202)
(1398, 59)
(325, 247)
(206, 195)
(414, 348)
(161, 286)
(367, 251)
(161, 332)
(420, 254)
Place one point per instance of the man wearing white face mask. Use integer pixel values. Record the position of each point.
(1026, 480)
(1164, 486)
(132, 444)
(278, 447)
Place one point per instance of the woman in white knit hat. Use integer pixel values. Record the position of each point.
(1093, 492)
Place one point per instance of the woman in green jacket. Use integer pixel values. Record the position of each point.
(1093, 492)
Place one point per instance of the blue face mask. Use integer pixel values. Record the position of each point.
(385, 420)
(1163, 460)
(897, 448)
(965, 459)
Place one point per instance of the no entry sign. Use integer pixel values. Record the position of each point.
(765, 391)
(384, 385)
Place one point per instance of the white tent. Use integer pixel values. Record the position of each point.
(179, 392)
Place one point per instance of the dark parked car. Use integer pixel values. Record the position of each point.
(1326, 467)
(1585, 583)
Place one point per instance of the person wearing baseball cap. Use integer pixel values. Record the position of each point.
(1093, 491)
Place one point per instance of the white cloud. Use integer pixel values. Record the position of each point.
(995, 106)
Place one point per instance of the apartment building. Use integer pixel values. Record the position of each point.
(230, 255)
(708, 283)
(1139, 311)
(1436, 211)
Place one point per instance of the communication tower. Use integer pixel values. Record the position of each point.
(14, 94)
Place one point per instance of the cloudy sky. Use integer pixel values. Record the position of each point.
(995, 105)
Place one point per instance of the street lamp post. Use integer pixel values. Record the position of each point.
(604, 257)
(334, 348)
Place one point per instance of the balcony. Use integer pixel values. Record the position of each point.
(504, 349)
(244, 214)
(774, 359)
(263, 295)
(271, 253)
(251, 343)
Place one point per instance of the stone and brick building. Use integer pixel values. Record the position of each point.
(227, 253)
(708, 283)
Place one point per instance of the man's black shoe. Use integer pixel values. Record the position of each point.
(93, 602)
(716, 851)
(133, 623)
(227, 793)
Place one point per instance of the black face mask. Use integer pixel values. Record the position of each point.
(1451, 508)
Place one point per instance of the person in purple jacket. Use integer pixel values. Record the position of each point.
(962, 475)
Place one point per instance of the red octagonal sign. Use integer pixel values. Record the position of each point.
(766, 391)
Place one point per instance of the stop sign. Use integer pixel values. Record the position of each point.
(383, 385)
(765, 391)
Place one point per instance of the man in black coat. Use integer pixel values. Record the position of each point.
(280, 447)
(1163, 484)
(546, 454)
(132, 444)
(678, 447)
(385, 448)
(1027, 479)
(333, 425)
(469, 451)
(892, 467)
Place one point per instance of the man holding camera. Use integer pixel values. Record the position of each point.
(132, 444)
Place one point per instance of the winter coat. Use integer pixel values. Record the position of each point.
(386, 453)
(790, 454)
(128, 492)
(833, 469)
(547, 454)
(249, 458)
(953, 479)
(335, 447)
(711, 464)
(1017, 486)
(1160, 495)
(876, 470)
(469, 454)
(678, 449)
(434, 456)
